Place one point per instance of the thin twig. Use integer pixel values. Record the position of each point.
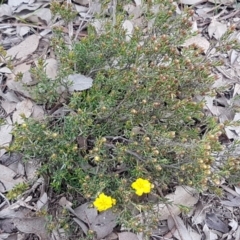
(135, 155)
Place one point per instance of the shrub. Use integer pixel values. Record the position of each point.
(138, 121)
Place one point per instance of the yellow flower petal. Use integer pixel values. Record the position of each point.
(141, 186)
(103, 202)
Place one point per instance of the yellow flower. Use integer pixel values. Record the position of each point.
(141, 186)
(104, 202)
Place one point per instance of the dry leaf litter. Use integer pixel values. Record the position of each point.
(210, 217)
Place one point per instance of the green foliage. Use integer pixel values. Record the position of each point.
(139, 120)
(17, 191)
(64, 10)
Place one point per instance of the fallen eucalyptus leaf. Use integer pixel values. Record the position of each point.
(216, 29)
(181, 232)
(25, 48)
(25, 107)
(7, 179)
(36, 225)
(5, 138)
(127, 236)
(216, 223)
(79, 82)
(183, 195)
(190, 2)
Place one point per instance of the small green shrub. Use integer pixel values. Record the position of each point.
(139, 119)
